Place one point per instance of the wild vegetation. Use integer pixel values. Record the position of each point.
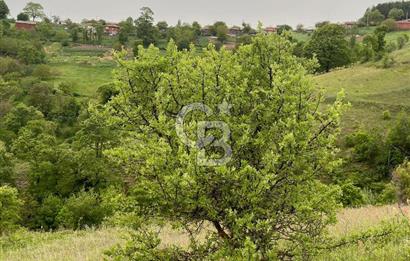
(93, 147)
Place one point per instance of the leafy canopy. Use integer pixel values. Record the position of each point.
(269, 194)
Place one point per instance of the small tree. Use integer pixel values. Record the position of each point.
(9, 209)
(4, 10)
(34, 10)
(268, 197)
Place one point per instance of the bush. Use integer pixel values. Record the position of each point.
(80, 211)
(391, 47)
(9, 65)
(401, 42)
(388, 61)
(401, 181)
(43, 72)
(46, 215)
(32, 54)
(365, 146)
(9, 46)
(390, 24)
(10, 206)
(107, 92)
(386, 115)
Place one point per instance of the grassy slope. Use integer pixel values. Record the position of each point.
(371, 91)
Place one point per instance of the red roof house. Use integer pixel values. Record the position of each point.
(271, 30)
(112, 29)
(403, 25)
(25, 25)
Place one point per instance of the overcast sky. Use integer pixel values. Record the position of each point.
(269, 12)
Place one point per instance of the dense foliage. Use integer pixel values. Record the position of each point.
(269, 194)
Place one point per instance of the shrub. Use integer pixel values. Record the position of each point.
(31, 54)
(10, 206)
(40, 95)
(46, 214)
(107, 92)
(80, 211)
(391, 47)
(386, 115)
(9, 46)
(401, 42)
(388, 61)
(390, 24)
(401, 181)
(19, 116)
(365, 146)
(43, 72)
(9, 65)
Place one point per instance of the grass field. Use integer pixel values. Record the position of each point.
(371, 90)
(90, 244)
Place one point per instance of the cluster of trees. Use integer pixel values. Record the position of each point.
(386, 13)
(53, 172)
(372, 161)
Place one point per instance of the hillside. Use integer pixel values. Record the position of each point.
(371, 90)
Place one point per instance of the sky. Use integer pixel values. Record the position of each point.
(269, 12)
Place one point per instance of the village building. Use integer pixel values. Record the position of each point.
(25, 25)
(349, 25)
(403, 25)
(234, 31)
(206, 30)
(112, 29)
(271, 30)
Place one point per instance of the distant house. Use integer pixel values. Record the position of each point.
(112, 29)
(234, 31)
(25, 25)
(349, 25)
(403, 25)
(206, 30)
(271, 29)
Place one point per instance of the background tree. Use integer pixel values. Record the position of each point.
(396, 14)
(4, 10)
(10, 206)
(163, 29)
(197, 29)
(330, 46)
(183, 36)
(373, 17)
(34, 10)
(220, 30)
(23, 17)
(269, 195)
(145, 28)
(283, 28)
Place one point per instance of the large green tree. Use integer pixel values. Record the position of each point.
(259, 187)
(330, 46)
(396, 14)
(146, 31)
(34, 10)
(4, 10)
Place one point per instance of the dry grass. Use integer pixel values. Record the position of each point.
(65, 246)
(359, 219)
(90, 244)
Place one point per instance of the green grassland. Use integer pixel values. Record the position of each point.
(85, 67)
(371, 90)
